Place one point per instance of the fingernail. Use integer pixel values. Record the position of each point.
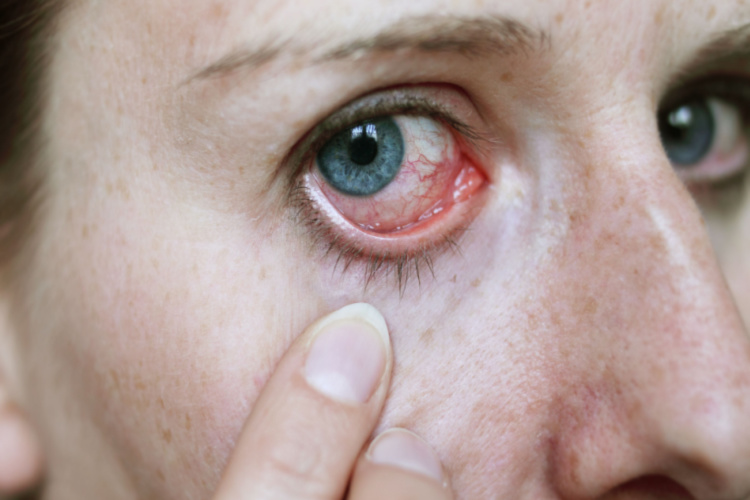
(404, 449)
(348, 354)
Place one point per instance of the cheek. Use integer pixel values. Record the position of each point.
(164, 330)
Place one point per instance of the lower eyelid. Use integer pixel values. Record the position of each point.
(425, 236)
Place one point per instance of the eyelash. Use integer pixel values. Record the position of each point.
(403, 265)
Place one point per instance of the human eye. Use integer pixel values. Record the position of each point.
(704, 131)
(392, 180)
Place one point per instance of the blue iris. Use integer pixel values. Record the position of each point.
(363, 159)
(687, 132)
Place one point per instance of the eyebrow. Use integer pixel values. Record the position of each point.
(468, 36)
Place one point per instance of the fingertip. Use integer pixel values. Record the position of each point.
(349, 356)
(359, 311)
(399, 465)
(405, 450)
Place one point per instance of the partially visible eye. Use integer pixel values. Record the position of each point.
(705, 135)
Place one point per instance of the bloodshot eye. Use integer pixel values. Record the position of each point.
(393, 177)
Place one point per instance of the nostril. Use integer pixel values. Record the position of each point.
(648, 488)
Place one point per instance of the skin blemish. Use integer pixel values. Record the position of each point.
(426, 336)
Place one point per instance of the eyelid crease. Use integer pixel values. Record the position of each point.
(720, 85)
(374, 107)
(727, 49)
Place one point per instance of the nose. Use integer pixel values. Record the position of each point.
(659, 406)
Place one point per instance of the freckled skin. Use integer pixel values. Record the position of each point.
(583, 338)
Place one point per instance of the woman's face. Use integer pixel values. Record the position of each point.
(553, 283)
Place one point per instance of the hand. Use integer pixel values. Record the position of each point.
(304, 438)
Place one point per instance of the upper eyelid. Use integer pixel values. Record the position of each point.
(720, 85)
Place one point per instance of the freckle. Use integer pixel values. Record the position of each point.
(167, 435)
(427, 335)
(85, 231)
(140, 386)
(620, 202)
(262, 275)
(591, 306)
(217, 10)
(161, 403)
(188, 422)
(453, 279)
(115, 379)
(507, 77)
(160, 474)
(574, 461)
(476, 283)
(659, 17)
(122, 187)
(711, 13)
(109, 188)
(559, 18)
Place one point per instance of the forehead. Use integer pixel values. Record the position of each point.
(197, 33)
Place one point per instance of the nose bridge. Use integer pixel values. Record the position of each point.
(664, 391)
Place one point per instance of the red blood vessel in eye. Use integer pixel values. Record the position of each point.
(435, 176)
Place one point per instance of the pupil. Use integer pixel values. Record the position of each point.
(363, 146)
(687, 132)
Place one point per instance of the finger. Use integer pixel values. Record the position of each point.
(317, 410)
(399, 465)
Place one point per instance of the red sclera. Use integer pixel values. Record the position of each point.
(435, 175)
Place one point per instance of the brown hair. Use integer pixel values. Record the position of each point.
(25, 28)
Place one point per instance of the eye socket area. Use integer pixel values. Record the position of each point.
(398, 183)
(705, 133)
